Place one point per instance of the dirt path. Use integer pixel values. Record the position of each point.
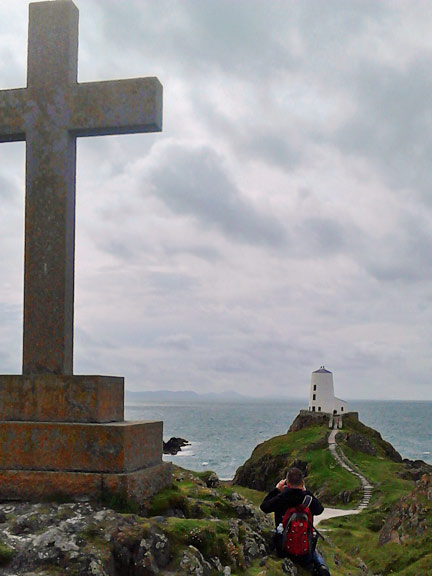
(343, 461)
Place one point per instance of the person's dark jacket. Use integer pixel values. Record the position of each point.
(279, 501)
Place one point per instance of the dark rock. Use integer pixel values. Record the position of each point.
(174, 445)
(88, 539)
(409, 517)
(288, 567)
(415, 469)
(345, 497)
(263, 474)
(194, 564)
(305, 419)
(212, 481)
(360, 443)
(301, 465)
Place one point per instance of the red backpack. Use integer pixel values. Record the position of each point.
(298, 529)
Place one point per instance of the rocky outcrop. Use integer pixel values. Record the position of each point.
(415, 469)
(174, 445)
(306, 419)
(360, 443)
(366, 439)
(410, 516)
(263, 473)
(211, 531)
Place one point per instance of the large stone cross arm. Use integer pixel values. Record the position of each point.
(116, 107)
(97, 108)
(12, 115)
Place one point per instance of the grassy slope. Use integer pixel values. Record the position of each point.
(309, 445)
(352, 540)
(358, 535)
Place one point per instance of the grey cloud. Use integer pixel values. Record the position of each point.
(404, 254)
(194, 182)
(163, 282)
(230, 363)
(323, 236)
(123, 250)
(392, 124)
(231, 36)
(177, 341)
(203, 252)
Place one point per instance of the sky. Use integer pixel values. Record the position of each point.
(281, 221)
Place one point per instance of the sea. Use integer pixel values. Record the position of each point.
(223, 434)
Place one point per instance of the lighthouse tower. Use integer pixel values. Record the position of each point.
(321, 396)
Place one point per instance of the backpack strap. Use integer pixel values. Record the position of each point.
(306, 501)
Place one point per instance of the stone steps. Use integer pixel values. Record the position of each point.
(345, 463)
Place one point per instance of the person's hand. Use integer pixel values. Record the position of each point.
(281, 484)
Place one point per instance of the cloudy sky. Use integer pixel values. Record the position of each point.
(281, 221)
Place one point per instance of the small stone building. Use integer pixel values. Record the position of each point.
(321, 396)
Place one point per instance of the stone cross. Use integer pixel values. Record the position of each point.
(49, 114)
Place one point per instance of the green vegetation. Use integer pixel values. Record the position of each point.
(352, 542)
(193, 498)
(119, 501)
(210, 538)
(358, 535)
(393, 536)
(270, 460)
(6, 554)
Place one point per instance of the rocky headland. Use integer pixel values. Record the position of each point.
(174, 445)
(202, 527)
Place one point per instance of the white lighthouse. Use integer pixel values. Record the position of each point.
(321, 396)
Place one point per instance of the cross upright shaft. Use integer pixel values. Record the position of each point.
(49, 114)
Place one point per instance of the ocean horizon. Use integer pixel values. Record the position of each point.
(223, 434)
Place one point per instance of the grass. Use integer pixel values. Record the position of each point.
(350, 541)
(353, 539)
(358, 535)
(211, 538)
(6, 554)
(309, 445)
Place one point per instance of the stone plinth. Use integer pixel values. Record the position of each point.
(45, 485)
(116, 447)
(48, 397)
(64, 436)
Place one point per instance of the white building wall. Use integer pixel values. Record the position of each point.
(321, 395)
(340, 406)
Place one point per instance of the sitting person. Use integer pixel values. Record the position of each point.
(293, 505)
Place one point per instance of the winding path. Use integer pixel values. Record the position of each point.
(343, 461)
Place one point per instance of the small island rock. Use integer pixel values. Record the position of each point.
(174, 445)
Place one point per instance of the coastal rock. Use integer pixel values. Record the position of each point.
(174, 445)
(90, 539)
(193, 563)
(409, 517)
(367, 438)
(288, 567)
(212, 480)
(262, 473)
(360, 443)
(306, 419)
(415, 469)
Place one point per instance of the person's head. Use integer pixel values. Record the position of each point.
(295, 478)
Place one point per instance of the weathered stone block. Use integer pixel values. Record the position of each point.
(57, 398)
(45, 485)
(116, 447)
